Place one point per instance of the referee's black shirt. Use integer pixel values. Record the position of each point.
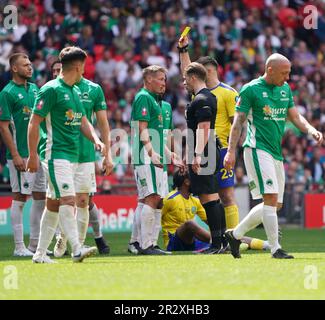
(201, 109)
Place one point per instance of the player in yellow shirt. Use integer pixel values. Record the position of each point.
(180, 231)
(226, 101)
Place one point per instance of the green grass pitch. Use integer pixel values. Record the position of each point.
(181, 276)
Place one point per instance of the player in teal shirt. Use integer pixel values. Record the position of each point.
(16, 103)
(58, 104)
(93, 101)
(266, 103)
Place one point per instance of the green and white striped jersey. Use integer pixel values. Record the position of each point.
(266, 107)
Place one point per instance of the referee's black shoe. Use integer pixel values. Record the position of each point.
(234, 243)
(281, 254)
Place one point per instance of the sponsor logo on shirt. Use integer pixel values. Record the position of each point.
(160, 118)
(20, 96)
(66, 97)
(267, 110)
(265, 95)
(277, 114)
(73, 118)
(26, 110)
(69, 115)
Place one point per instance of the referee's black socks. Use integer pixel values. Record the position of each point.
(215, 212)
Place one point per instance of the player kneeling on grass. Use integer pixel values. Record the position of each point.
(180, 231)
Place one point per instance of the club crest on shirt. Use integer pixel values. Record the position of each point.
(26, 110)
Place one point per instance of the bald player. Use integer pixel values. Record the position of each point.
(266, 103)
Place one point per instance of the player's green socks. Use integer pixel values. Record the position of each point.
(35, 216)
(232, 216)
(68, 224)
(49, 223)
(82, 222)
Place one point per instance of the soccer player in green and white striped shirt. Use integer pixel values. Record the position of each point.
(59, 111)
(266, 103)
(16, 103)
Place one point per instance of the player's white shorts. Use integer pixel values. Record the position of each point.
(265, 174)
(85, 178)
(26, 182)
(60, 174)
(149, 180)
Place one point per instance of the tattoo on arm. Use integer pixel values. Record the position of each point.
(240, 118)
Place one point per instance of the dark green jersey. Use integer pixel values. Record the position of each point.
(93, 100)
(146, 107)
(16, 103)
(166, 110)
(266, 107)
(62, 109)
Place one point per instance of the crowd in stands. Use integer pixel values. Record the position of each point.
(124, 36)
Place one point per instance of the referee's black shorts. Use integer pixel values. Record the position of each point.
(205, 184)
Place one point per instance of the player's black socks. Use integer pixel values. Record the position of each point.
(214, 214)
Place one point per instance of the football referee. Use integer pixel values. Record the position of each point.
(203, 149)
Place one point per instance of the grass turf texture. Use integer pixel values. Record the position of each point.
(181, 276)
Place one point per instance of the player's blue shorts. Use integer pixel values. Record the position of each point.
(225, 178)
(176, 244)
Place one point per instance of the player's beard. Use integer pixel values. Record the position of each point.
(23, 76)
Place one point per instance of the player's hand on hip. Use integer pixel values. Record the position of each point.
(32, 163)
(196, 164)
(107, 165)
(318, 136)
(100, 146)
(229, 161)
(156, 160)
(19, 163)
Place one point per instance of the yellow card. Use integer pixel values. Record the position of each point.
(185, 31)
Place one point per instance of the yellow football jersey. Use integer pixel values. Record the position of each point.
(226, 101)
(177, 210)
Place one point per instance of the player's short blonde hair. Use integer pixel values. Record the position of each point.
(152, 71)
